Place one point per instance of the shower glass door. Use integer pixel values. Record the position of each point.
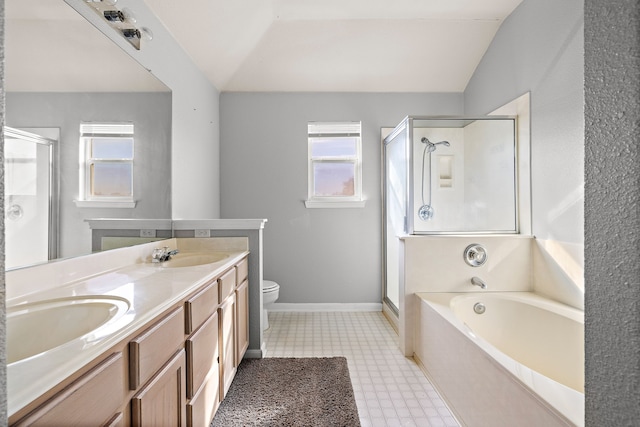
(29, 214)
(396, 192)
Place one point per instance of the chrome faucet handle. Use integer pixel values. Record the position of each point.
(157, 254)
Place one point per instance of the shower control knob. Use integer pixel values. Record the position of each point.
(475, 255)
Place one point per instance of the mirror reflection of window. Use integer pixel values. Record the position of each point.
(106, 151)
(111, 167)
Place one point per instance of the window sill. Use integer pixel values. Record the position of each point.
(105, 204)
(314, 204)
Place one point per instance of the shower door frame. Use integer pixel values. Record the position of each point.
(409, 229)
(405, 124)
(54, 185)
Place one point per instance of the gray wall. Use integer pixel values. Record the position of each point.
(151, 116)
(539, 49)
(316, 255)
(612, 212)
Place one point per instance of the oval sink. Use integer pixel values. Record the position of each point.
(41, 326)
(192, 260)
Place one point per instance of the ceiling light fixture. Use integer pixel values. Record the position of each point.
(122, 20)
(113, 15)
(108, 2)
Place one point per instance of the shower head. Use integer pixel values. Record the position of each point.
(431, 146)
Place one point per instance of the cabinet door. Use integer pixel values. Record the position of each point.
(227, 314)
(202, 354)
(242, 320)
(162, 402)
(93, 399)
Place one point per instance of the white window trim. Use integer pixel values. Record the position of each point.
(124, 130)
(315, 204)
(335, 128)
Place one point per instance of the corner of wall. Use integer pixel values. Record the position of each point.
(558, 271)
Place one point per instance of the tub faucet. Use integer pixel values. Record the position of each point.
(478, 282)
(162, 254)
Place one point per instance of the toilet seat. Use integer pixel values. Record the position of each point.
(269, 286)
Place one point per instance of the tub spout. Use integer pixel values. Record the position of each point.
(478, 282)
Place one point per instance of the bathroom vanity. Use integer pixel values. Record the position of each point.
(165, 352)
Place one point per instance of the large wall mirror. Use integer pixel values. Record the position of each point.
(60, 72)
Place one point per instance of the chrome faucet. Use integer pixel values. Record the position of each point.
(162, 254)
(478, 282)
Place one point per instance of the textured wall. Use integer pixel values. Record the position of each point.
(612, 212)
(3, 332)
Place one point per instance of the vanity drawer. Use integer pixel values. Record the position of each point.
(200, 306)
(151, 349)
(242, 271)
(93, 399)
(227, 284)
(202, 354)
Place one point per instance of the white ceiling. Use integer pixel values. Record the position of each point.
(336, 45)
(49, 47)
(266, 45)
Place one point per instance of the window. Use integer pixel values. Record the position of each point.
(106, 165)
(335, 165)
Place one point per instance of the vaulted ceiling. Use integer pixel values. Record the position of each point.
(336, 45)
(304, 45)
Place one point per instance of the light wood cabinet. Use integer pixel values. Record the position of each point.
(93, 399)
(204, 404)
(117, 420)
(174, 371)
(227, 283)
(162, 401)
(242, 271)
(151, 349)
(242, 321)
(200, 306)
(227, 315)
(202, 354)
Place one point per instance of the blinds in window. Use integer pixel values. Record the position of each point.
(106, 129)
(334, 129)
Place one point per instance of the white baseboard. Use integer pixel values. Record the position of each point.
(311, 307)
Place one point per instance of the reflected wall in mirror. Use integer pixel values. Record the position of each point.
(61, 71)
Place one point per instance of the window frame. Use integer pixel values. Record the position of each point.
(89, 132)
(328, 130)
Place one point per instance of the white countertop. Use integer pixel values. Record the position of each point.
(150, 290)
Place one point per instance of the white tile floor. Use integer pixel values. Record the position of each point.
(390, 389)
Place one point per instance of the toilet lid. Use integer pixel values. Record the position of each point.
(268, 285)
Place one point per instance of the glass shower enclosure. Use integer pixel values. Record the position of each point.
(446, 175)
(30, 197)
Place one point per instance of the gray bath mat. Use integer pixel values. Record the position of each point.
(290, 392)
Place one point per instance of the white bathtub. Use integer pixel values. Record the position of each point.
(521, 362)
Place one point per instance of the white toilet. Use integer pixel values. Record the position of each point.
(270, 293)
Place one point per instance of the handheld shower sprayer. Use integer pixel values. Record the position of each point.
(431, 146)
(426, 210)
